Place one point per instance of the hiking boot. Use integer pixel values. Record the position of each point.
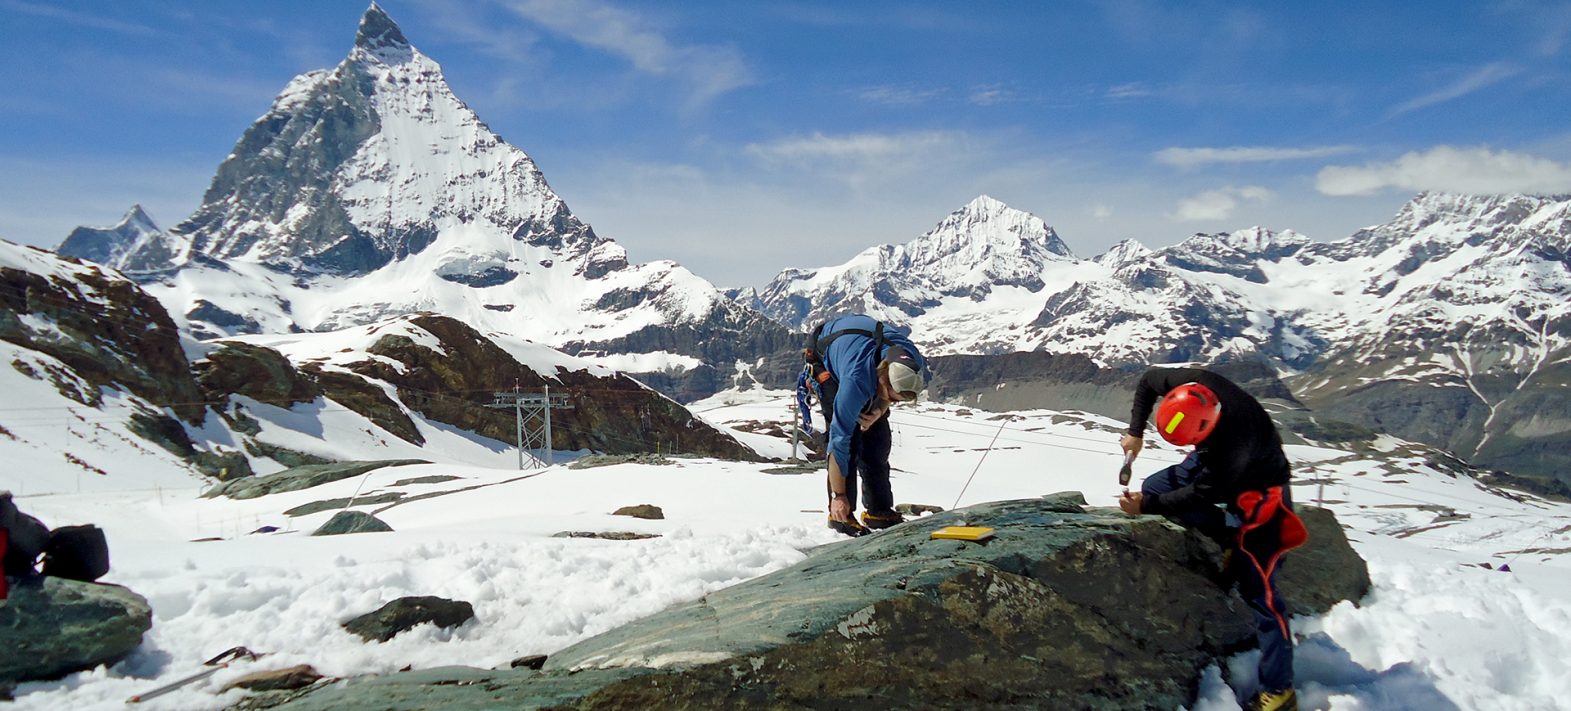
(881, 520)
(850, 528)
(1285, 700)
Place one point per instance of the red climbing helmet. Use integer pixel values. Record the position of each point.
(1188, 414)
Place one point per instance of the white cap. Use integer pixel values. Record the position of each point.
(903, 374)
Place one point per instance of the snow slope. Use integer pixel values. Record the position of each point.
(1438, 630)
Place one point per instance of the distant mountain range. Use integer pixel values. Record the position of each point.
(1448, 325)
(370, 192)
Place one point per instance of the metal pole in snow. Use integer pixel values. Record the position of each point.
(549, 459)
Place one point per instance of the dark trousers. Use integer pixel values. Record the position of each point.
(870, 462)
(1260, 593)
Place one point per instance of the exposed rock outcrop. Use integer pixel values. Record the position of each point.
(345, 522)
(53, 626)
(299, 478)
(1065, 608)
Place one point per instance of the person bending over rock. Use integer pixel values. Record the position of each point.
(860, 367)
(1234, 488)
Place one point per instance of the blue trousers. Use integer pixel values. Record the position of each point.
(1259, 592)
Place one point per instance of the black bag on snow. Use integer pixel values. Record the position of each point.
(77, 553)
(25, 538)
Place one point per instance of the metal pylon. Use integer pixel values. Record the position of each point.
(533, 416)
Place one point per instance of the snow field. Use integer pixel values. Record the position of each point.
(1437, 632)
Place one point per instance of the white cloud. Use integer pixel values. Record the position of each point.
(1192, 157)
(990, 95)
(1101, 211)
(1217, 204)
(898, 95)
(1133, 90)
(81, 19)
(855, 147)
(1475, 80)
(1450, 169)
(711, 70)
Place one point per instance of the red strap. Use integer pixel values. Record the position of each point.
(1259, 509)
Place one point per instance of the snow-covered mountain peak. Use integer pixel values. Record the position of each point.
(1125, 252)
(378, 34)
(987, 226)
(1255, 242)
(107, 245)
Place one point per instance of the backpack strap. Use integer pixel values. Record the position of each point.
(818, 347)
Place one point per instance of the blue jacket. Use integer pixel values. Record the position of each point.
(853, 359)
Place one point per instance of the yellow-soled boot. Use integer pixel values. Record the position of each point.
(1285, 700)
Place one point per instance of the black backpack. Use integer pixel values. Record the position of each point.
(816, 374)
(77, 553)
(25, 538)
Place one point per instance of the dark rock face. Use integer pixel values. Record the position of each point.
(1070, 381)
(729, 335)
(107, 331)
(406, 612)
(53, 627)
(1065, 608)
(345, 522)
(613, 415)
(261, 374)
(1323, 571)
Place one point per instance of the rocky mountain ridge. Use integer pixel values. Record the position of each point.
(107, 377)
(1447, 325)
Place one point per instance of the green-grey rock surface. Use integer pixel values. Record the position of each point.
(50, 627)
(298, 478)
(351, 522)
(1066, 607)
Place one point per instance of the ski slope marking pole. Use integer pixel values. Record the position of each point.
(979, 462)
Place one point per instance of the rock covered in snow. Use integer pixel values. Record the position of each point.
(404, 613)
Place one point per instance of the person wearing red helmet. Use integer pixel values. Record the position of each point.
(1234, 488)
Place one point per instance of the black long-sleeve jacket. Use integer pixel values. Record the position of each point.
(1243, 452)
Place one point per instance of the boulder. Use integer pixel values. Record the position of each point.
(52, 627)
(288, 679)
(1325, 570)
(351, 522)
(406, 612)
(649, 511)
(532, 661)
(1066, 607)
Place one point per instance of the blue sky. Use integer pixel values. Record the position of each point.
(739, 138)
